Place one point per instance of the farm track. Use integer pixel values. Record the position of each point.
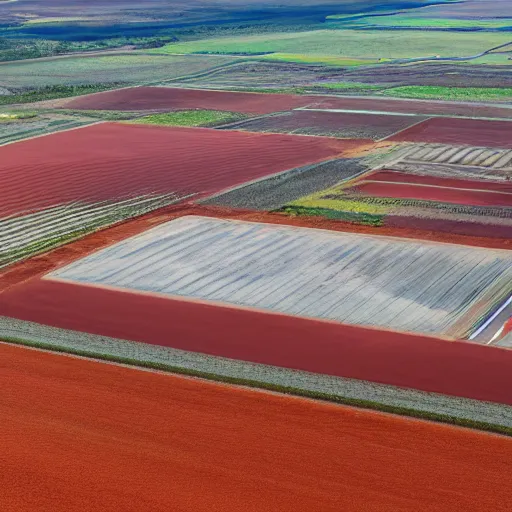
(340, 390)
(220, 438)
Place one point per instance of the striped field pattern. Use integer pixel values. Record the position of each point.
(489, 158)
(24, 236)
(356, 279)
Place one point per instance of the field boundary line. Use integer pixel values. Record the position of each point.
(265, 379)
(53, 133)
(407, 114)
(404, 129)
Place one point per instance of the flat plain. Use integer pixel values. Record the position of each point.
(101, 456)
(348, 278)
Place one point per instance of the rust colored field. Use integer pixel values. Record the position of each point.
(101, 437)
(336, 124)
(43, 263)
(472, 230)
(109, 161)
(429, 107)
(471, 132)
(433, 193)
(404, 177)
(166, 98)
(400, 359)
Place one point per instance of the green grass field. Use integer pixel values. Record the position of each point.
(191, 118)
(422, 22)
(352, 44)
(451, 93)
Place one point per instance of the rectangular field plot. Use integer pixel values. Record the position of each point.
(355, 279)
(110, 161)
(471, 132)
(334, 124)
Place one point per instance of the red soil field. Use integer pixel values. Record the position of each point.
(400, 359)
(46, 262)
(472, 132)
(339, 124)
(404, 177)
(432, 193)
(111, 161)
(166, 98)
(80, 435)
(427, 107)
(454, 227)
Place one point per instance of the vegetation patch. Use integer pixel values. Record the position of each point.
(451, 93)
(191, 118)
(54, 92)
(366, 219)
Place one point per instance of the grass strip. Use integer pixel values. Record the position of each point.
(353, 402)
(450, 93)
(367, 219)
(191, 118)
(55, 92)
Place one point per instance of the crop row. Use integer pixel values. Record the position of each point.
(25, 236)
(350, 278)
(488, 211)
(462, 155)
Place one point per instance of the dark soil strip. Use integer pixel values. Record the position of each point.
(275, 192)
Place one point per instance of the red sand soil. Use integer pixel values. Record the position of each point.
(432, 193)
(165, 98)
(80, 435)
(400, 359)
(372, 126)
(473, 132)
(429, 107)
(46, 262)
(453, 227)
(404, 177)
(111, 161)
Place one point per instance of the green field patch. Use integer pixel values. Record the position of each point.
(349, 44)
(324, 60)
(191, 118)
(340, 86)
(420, 22)
(451, 93)
(367, 219)
(54, 92)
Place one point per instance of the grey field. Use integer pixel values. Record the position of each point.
(356, 279)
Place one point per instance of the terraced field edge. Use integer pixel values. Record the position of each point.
(503, 429)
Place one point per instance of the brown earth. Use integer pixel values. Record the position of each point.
(79, 435)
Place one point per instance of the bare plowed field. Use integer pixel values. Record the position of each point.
(335, 124)
(471, 132)
(400, 359)
(166, 98)
(418, 179)
(431, 107)
(110, 161)
(104, 437)
(432, 193)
